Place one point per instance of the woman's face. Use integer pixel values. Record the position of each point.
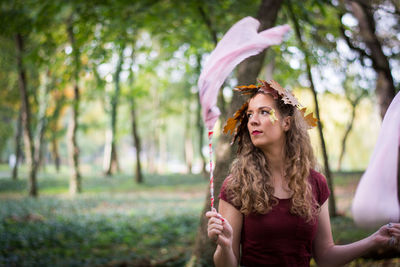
(265, 131)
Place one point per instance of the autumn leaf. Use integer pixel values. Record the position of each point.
(287, 97)
(310, 119)
(247, 89)
(251, 86)
(281, 91)
(231, 123)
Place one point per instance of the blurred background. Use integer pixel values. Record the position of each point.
(103, 152)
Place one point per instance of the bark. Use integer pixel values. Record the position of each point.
(26, 118)
(385, 88)
(188, 143)
(349, 127)
(18, 152)
(200, 125)
(113, 161)
(43, 120)
(135, 132)
(55, 153)
(200, 130)
(53, 125)
(73, 149)
(332, 201)
(247, 73)
(162, 150)
(137, 143)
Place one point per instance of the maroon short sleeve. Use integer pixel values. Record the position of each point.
(223, 193)
(320, 187)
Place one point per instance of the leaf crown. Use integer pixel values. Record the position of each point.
(234, 124)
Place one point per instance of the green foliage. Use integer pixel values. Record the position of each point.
(114, 220)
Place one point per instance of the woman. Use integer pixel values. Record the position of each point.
(273, 207)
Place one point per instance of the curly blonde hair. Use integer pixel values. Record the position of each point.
(250, 187)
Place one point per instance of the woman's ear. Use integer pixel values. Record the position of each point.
(286, 123)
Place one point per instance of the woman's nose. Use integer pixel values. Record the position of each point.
(254, 120)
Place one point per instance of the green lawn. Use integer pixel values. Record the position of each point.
(116, 222)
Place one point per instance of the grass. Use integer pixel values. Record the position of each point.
(113, 220)
(117, 222)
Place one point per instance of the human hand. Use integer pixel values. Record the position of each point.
(388, 235)
(219, 230)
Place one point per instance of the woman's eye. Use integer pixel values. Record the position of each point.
(264, 112)
(249, 115)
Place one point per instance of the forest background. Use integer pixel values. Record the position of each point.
(100, 117)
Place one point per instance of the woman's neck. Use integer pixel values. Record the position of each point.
(276, 158)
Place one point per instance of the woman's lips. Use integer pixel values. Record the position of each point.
(256, 132)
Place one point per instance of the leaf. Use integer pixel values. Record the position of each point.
(231, 123)
(247, 89)
(309, 119)
(251, 86)
(287, 97)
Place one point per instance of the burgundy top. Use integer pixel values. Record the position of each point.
(279, 238)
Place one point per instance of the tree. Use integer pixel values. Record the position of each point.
(26, 116)
(363, 11)
(332, 202)
(111, 144)
(134, 123)
(247, 73)
(75, 185)
(18, 150)
(354, 94)
(59, 100)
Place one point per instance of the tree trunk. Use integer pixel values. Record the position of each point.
(162, 150)
(188, 145)
(137, 143)
(332, 201)
(26, 118)
(73, 149)
(385, 89)
(247, 73)
(135, 132)
(200, 130)
(43, 97)
(18, 151)
(113, 162)
(54, 128)
(349, 127)
(199, 124)
(344, 139)
(55, 153)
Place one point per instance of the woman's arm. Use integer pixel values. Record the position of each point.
(225, 229)
(326, 253)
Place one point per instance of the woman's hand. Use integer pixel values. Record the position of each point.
(219, 230)
(388, 235)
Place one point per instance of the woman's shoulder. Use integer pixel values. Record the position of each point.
(319, 186)
(317, 176)
(225, 184)
(225, 194)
